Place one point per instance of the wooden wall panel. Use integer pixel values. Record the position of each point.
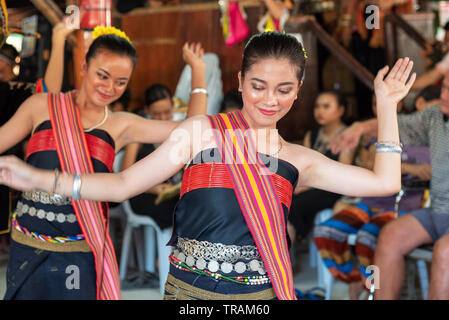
(158, 35)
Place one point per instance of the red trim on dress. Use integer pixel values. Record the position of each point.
(99, 149)
(215, 175)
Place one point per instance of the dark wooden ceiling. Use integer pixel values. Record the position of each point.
(26, 3)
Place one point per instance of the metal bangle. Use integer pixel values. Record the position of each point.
(393, 143)
(76, 194)
(387, 148)
(199, 90)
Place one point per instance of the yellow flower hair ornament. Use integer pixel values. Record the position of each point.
(305, 53)
(101, 31)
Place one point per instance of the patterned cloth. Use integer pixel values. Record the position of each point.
(331, 240)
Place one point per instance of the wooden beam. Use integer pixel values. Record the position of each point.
(49, 9)
(335, 48)
(54, 15)
(391, 24)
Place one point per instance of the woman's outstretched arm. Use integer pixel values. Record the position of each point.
(161, 164)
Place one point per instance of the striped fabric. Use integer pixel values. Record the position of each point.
(257, 199)
(75, 158)
(331, 240)
(216, 175)
(99, 149)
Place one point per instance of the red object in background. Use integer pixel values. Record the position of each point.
(95, 13)
(238, 28)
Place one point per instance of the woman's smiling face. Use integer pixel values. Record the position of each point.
(269, 89)
(106, 77)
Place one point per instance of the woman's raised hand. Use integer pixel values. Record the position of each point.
(192, 53)
(389, 89)
(61, 30)
(394, 87)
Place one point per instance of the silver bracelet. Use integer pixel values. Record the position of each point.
(199, 90)
(76, 194)
(392, 143)
(380, 147)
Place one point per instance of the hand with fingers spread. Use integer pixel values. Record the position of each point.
(394, 87)
(389, 91)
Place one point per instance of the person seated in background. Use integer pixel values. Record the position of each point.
(427, 97)
(426, 225)
(307, 202)
(158, 106)
(232, 101)
(366, 216)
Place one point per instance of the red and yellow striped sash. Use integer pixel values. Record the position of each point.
(74, 157)
(257, 199)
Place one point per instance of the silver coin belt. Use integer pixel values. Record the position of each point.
(218, 256)
(46, 198)
(42, 214)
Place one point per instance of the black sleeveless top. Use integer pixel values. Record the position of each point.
(328, 153)
(213, 213)
(41, 153)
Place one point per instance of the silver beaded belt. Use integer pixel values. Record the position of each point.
(45, 198)
(42, 214)
(218, 256)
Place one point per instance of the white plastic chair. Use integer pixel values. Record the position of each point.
(152, 232)
(421, 255)
(325, 279)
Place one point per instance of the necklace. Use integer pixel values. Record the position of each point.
(102, 121)
(278, 150)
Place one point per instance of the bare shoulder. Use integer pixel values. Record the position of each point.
(124, 116)
(38, 100)
(37, 107)
(121, 120)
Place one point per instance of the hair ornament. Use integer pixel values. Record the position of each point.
(305, 53)
(101, 31)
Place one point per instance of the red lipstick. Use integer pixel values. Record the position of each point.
(267, 112)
